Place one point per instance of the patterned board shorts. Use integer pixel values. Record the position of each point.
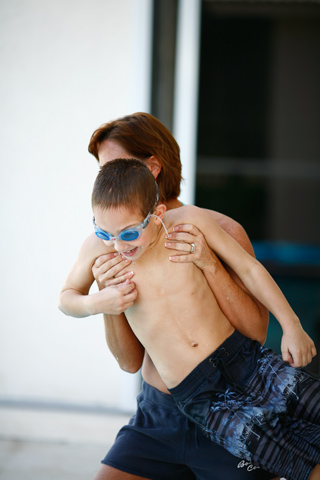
(248, 400)
(160, 443)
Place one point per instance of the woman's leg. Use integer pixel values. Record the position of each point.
(106, 472)
(315, 475)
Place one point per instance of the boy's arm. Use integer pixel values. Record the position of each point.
(258, 281)
(245, 313)
(76, 301)
(74, 297)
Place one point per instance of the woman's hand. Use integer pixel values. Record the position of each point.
(188, 240)
(107, 270)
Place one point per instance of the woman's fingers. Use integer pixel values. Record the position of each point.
(180, 246)
(185, 239)
(189, 240)
(187, 227)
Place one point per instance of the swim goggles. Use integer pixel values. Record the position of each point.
(127, 235)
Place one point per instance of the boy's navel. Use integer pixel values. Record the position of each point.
(194, 344)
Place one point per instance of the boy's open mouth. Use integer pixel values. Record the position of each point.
(129, 253)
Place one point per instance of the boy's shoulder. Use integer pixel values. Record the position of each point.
(184, 214)
(93, 247)
(191, 214)
(191, 211)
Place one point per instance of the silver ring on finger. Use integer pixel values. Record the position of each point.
(193, 247)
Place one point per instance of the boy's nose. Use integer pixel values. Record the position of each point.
(119, 245)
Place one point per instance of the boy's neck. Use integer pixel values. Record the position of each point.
(156, 237)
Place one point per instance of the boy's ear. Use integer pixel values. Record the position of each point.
(154, 165)
(160, 210)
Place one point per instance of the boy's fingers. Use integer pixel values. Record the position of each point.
(116, 269)
(105, 265)
(286, 356)
(130, 298)
(127, 286)
(106, 275)
(312, 353)
(123, 277)
(106, 281)
(103, 258)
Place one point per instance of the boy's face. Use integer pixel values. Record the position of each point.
(115, 220)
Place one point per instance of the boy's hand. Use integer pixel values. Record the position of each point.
(182, 238)
(297, 347)
(112, 300)
(107, 270)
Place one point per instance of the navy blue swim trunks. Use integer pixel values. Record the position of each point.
(247, 399)
(160, 443)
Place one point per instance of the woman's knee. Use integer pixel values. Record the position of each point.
(106, 472)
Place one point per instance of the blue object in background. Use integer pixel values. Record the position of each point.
(302, 292)
(287, 253)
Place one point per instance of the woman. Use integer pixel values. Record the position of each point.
(159, 443)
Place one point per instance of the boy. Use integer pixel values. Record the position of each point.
(243, 396)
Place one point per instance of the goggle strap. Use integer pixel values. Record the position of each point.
(154, 215)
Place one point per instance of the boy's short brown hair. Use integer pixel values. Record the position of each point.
(125, 183)
(143, 135)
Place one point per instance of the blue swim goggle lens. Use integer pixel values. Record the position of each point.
(127, 235)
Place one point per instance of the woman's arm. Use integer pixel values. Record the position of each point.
(244, 311)
(122, 342)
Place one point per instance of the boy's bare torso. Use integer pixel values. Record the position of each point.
(175, 317)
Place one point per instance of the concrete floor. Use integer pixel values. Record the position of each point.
(54, 445)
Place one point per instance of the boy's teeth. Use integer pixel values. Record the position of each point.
(129, 251)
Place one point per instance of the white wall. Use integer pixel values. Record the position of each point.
(185, 108)
(67, 67)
